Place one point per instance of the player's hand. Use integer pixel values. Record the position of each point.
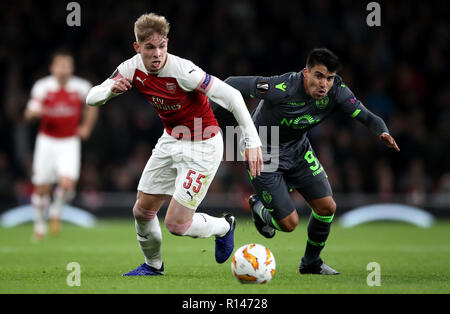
(121, 85)
(255, 160)
(31, 115)
(83, 132)
(389, 141)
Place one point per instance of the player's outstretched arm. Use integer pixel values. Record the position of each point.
(377, 126)
(389, 141)
(352, 106)
(231, 99)
(110, 88)
(243, 84)
(273, 88)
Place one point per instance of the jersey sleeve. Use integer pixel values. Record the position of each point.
(351, 106)
(230, 99)
(347, 101)
(125, 69)
(100, 94)
(272, 88)
(37, 95)
(193, 78)
(85, 87)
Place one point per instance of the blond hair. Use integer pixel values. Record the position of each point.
(150, 23)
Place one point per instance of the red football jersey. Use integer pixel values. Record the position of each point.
(177, 92)
(61, 106)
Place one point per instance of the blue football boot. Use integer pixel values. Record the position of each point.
(225, 244)
(146, 270)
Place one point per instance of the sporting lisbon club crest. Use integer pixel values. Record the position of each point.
(171, 87)
(267, 197)
(322, 103)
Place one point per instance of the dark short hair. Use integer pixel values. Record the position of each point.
(60, 52)
(323, 56)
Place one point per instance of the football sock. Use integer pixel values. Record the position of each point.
(40, 205)
(150, 238)
(318, 231)
(265, 215)
(60, 198)
(204, 226)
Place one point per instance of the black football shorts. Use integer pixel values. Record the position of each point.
(307, 176)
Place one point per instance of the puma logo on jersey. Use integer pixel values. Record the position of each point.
(140, 80)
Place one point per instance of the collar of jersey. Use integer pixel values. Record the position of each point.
(157, 73)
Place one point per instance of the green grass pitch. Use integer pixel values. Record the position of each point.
(411, 259)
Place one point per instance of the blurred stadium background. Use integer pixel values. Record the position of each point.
(398, 70)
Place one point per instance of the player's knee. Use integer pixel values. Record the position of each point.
(67, 184)
(327, 209)
(40, 201)
(63, 194)
(289, 223)
(288, 227)
(42, 190)
(178, 229)
(141, 213)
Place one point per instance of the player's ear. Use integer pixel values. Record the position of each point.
(136, 47)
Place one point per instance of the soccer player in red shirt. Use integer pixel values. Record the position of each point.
(58, 101)
(188, 154)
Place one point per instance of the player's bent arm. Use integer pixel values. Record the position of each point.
(100, 94)
(231, 99)
(371, 121)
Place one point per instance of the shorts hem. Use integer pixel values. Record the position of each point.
(154, 192)
(186, 204)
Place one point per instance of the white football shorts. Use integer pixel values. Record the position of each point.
(183, 169)
(54, 158)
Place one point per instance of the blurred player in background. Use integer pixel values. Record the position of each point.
(295, 103)
(58, 101)
(188, 154)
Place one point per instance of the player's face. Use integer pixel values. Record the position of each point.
(318, 81)
(153, 51)
(62, 67)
